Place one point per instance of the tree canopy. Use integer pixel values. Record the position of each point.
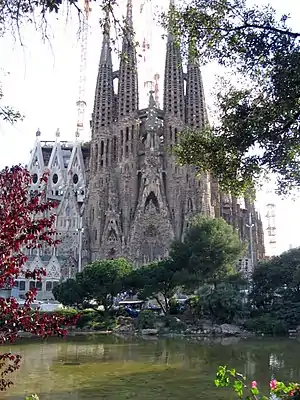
(209, 252)
(258, 116)
(103, 280)
(275, 295)
(69, 293)
(159, 280)
(279, 276)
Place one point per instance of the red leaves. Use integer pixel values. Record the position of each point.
(26, 222)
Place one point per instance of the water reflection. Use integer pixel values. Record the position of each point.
(112, 368)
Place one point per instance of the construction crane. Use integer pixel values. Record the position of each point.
(81, 103)
(271, 220)
(271, 227)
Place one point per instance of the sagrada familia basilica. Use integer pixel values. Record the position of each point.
(122, 193)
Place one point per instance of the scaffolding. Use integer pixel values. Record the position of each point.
(81, 103)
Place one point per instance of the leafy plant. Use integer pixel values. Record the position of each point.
(103, 280)
(146, 320)
(256, 132)
(278, 390)
(26, 222)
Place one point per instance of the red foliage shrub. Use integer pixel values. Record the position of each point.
(26, 222)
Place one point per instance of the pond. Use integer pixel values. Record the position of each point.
(111, 368)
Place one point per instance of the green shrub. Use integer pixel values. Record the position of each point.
(104, 325)
(174, 324)
(146, 320)
(84, 320)
(266, 323)
(89, 317)
(67, 312)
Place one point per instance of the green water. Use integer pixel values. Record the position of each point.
(118, 369)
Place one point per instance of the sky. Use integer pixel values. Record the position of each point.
(41, 80)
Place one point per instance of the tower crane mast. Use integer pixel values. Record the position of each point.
(271, 221)
(81, 103)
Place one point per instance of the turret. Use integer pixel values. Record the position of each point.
(128, 77)
(195, 108)
(104, 112)
(174, 81)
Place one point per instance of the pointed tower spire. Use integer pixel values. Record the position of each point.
(171, 8)
(128, 79)
(103, 113)
(195, 107)
(105, 57)
(174, 81)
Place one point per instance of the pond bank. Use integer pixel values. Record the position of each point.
(126, 331)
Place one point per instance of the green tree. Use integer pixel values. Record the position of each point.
(277, 278)
(159, 280)
(209, 252)
(258, 118)
(103, 280)
(69, 293)
(275, 295)
(224, 303)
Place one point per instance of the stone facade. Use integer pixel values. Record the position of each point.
(123, 194)
(66, 164)
(139, 198)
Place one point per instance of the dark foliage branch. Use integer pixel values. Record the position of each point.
(258, 128)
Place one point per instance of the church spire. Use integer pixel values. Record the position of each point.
(195, 107)
(128, 79)
(174, 81)
(105, 57)
(103, 113)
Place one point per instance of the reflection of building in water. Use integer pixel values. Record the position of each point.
(134, 197)
(275, 362)
(250, 365)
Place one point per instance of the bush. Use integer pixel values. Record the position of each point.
(174, 324)
(85, 319)
(266, 323)
(146, 320)
(107, 324)
(67, 312)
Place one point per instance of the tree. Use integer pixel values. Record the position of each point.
(275, 294)
(69, 293)
(24, 224)
(258, 118)
(159, 280)
(276, 278)
(209, 252)
(103, 280)
(224, 303)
